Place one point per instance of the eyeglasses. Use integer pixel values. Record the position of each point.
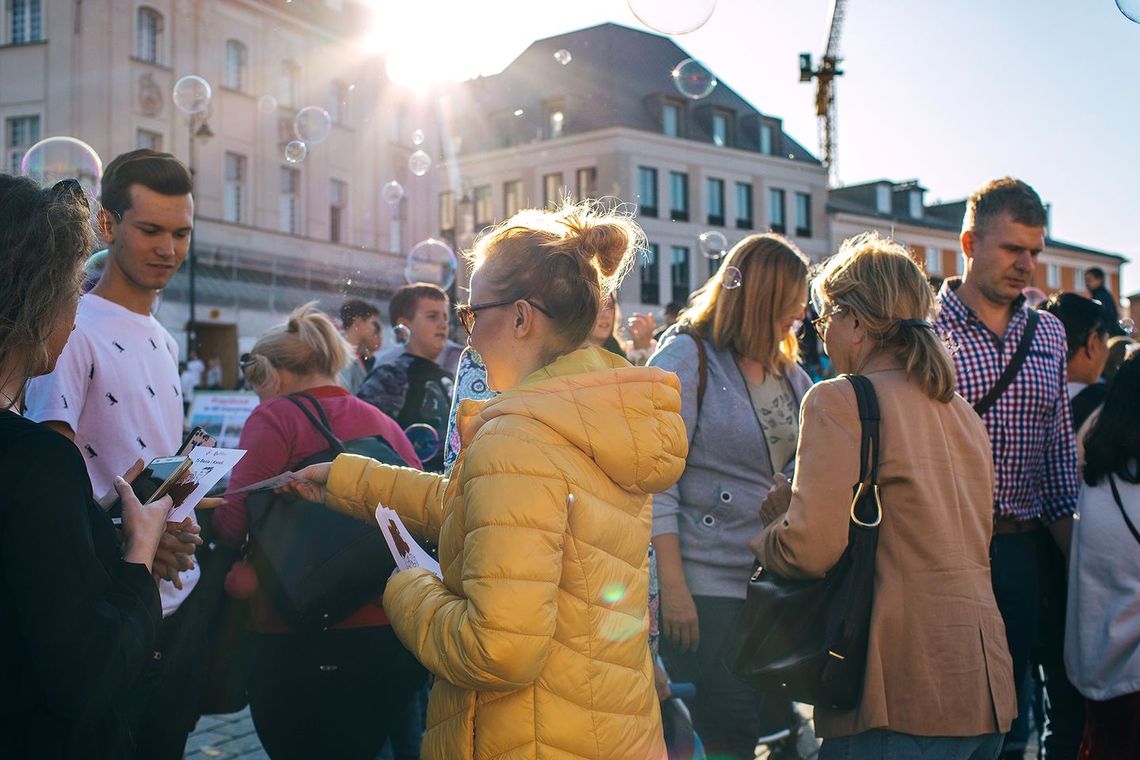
(466, 312)
(823, 321)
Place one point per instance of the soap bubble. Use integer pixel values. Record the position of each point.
(431, 261)
(419, 163)
(612, 593)
(693, 80)
(57, 158)
(93, 269)
(563, 56)
(402, 334)
(295, 151)
(1130, 9)
(713, 244)
(392, 192)
(192, 94)
(1128, 325)
(267, 104)
(731, 278)
(425, 440)
(312, 125)
(350, 282)
(418, 137)
(673, 16)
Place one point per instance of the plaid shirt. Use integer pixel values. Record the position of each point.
(1030, 425)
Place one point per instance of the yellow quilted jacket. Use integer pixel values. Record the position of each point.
(538, 631)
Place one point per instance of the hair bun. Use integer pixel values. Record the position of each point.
(606, 244)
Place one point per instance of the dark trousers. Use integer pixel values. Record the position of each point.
(728, 714)
(331, 693)
(1064, 707)
(1014, 566)
(1112, 731)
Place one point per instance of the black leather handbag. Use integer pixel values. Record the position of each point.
(318, 566)
(808, 638)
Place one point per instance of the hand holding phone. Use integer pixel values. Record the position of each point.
(154, 481)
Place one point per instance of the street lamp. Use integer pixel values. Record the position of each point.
(199, 129)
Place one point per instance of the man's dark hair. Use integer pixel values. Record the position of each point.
(674, 307)
(407, 299)
(1113, 444)
(1096, 272)
(1081, 317)
(1003, 196)
(354, 309)
(160, 172)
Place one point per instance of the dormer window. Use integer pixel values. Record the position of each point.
(671, 120)
(883, 199)
(720, 129)
(914, 201)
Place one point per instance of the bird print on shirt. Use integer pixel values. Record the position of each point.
(90, 451)
(112, 399)
(153, 344)
(150, 391)
(115, 343)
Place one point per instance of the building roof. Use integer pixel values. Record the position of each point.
(618, 76)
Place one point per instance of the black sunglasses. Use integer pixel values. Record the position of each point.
(466, 312)
(70, 189)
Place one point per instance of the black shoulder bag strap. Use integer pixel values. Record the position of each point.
(322, 425)
(1120, 503)
(1012, 368)
(1087, 401)
(869, 419)
(702, 364)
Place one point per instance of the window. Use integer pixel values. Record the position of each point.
(587, 183)
(679, 274)
(144, 138)
(338, 102)
(678, 196)
(650, 275)
(25, 21)
(235, 76)
(715, 199)
(914, 202)
(933, 261)
(883, 199)
(289, 201)
(22, 132)
(1053, 276)
(777, 221)
(766, 139)
(555, 121)
(512, 197)
(743, 206)
(287, 86)
(446, 211)
(671, 120)
(647, 191)
(960, 260)
(338, 211)
(552, 189)
(803, 215)
(720, 129)
(233, 206)
(148, 35)
(484, 211)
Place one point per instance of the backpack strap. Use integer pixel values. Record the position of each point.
(1120, 503)
(702, 363)
(1012, 368)
(1086, 402)
(322, 424)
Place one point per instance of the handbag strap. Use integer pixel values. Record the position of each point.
(322, 424)
(869, 435)
(1012, 368)
(1120, 503)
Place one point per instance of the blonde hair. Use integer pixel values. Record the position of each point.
(877, 280)
(564, 260)
(306, 344)
(746, 319)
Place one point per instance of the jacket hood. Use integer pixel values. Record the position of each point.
(627, 419)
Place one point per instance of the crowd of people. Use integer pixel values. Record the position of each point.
(589, 484)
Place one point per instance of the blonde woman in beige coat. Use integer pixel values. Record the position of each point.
(939, 679)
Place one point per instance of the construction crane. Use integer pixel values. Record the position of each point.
(825, 89)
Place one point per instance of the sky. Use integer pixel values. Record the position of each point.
(949, 93)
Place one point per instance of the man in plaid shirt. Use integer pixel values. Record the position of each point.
(1030, 425)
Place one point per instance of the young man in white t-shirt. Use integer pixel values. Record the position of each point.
(116, 391)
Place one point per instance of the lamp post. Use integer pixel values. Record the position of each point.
(198, 129)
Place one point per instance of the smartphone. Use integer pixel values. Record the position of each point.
(154, 481)
(198, 437)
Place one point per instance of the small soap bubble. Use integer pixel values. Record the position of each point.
(392, 192)
(1130, 9)
(612, 593)
(295, 151)
(192, 94)
(693, 80)
(418, 137)
(350, 282)
(267, 104)
(431, 261)
(1128, 325)
(419, 163)
(402, 334)
(713, 244)
(671, 17)
(563, 56)
(425, 440)
(731, 278)
(58, 158)
(313, 125)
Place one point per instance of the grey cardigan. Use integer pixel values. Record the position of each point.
(714, 507)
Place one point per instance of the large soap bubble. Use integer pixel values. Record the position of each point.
(731, 278)
(431, 261)
(57, 158)
(93, 269)
(673, 16)
(192, 94)
(1130, 9)
(424, 439)
(693, 80)
(713, 244)
(313, 125)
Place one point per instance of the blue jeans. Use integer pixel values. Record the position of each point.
(881, 743)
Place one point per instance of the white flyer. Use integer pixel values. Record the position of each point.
(207, 466)
(276, 481)
(405, 550)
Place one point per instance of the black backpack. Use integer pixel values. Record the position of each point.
(315, 565)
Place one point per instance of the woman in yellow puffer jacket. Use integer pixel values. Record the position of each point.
(537, 632)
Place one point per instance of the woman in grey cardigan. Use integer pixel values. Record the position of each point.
(742, 416)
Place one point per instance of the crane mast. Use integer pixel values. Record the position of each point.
(825, 76)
